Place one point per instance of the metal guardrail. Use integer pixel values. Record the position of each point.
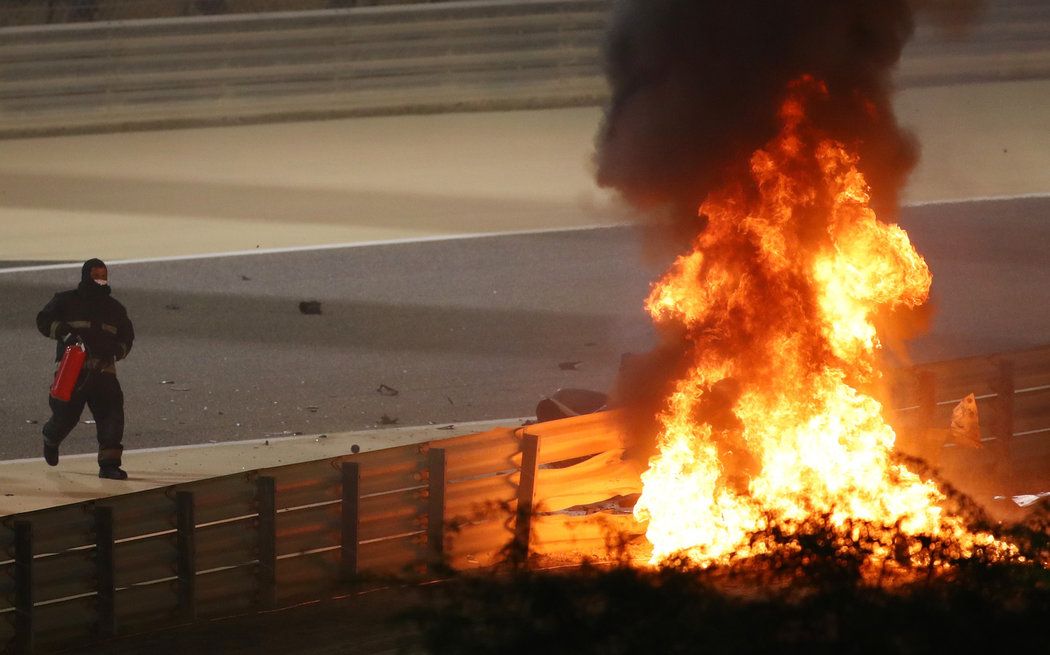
(1012, 392)
(273, 537)
(469, 55)
(54, 12)
(435, 57)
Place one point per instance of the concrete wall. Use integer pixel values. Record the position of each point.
(495, 54)
(396, 59)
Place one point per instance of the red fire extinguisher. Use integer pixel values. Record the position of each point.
(68, 372)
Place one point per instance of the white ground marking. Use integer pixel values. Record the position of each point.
(1022, 196)
(436, 237)
(326, 246)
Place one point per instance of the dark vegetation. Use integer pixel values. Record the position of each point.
(814, 592)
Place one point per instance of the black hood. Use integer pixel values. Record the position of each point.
(87, 286)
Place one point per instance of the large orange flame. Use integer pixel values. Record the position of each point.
(776, 301)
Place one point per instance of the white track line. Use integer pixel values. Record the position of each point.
(1021, 196)
(437, 237)
(327, 246)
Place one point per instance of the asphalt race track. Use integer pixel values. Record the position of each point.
(462, 329)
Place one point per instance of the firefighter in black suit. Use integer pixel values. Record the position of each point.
(89, 314)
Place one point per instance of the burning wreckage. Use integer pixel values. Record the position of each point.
(766, 139)
(775, 419)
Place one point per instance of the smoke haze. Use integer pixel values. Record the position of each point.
(696, 85)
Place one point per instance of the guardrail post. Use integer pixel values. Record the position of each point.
(186, 557)
(930, 443)
(105, 572)
(23, 587)
(1004, 405)
(530, 455)
(926, 385)
(351, 520)
(266, 498)
(437, 469)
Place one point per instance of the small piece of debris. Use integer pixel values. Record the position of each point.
(88, 422)
(31, 421)
(245, 278)
(569, 366)
(1025, 500)
(354, 448)
(387, 391)
(310, 307)
(449, 400)
(9, 495)
(386, 420)
(167, 381)
(266, 443)
(447, 427)
(312, 408)
(172, 306)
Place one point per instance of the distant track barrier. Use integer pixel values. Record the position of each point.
(278, 536)
(449, 56)
(251, 67)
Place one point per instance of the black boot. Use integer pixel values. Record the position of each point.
(112, 472)
(50, 454)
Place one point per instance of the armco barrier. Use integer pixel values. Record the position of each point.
(281, 535)
(278, 536)
(1012, 391)
(488, 54)
(53, 12)
(404, 58)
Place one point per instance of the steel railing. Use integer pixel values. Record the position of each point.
(465, 55)
(56, 12)
(444, 56)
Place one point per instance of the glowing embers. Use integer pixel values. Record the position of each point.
(776, 302)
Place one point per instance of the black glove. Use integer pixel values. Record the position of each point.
(65, 335)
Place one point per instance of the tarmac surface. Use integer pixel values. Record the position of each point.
(449, 331)
(467, 261)
(459, 330)
(213, 190)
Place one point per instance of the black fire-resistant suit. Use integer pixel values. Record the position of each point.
(90, 314)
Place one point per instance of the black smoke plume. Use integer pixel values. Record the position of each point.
(696, 85)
